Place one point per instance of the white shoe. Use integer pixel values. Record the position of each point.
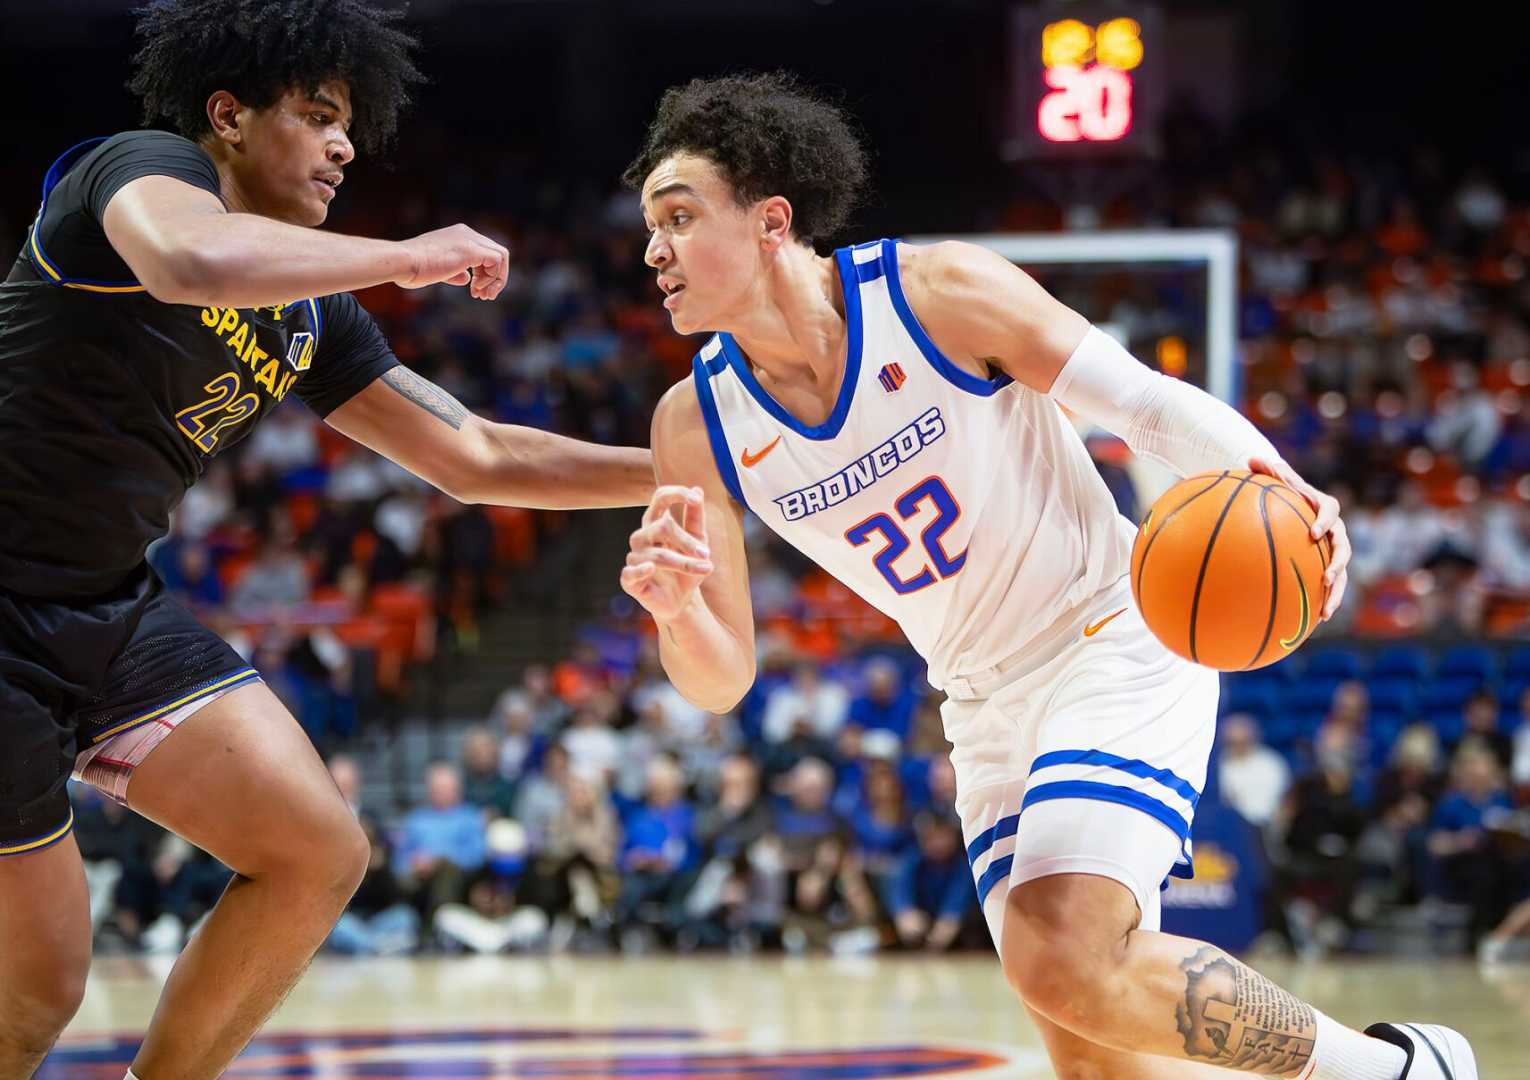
(1434, 1052)
(1491, 951)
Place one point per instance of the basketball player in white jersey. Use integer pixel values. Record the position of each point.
(893, 412)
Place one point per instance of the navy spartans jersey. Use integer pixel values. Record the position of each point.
(111, 402)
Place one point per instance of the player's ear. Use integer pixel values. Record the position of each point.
(775, 217)
(223, 113)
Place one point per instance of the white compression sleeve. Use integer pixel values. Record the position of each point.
(1171, 422)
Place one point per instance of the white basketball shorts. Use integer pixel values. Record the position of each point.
(1084, 754)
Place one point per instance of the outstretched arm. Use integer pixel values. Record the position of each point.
(412, 421)
(984, 311)
(186, 248)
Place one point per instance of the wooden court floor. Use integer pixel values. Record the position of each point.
(682, 1018)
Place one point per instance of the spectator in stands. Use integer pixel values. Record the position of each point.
(941, 785)
(682, 720)
(539, 797)
(808, 703)
(188, 571)
(379, 921)
(885, 702)
(278, 577)
(491, 918)
(830, 903)
(1467, 422)
(114, 844)
(594, 749)
(1456, 600)
(401, 519)
(739, 896)
(322, 672)
(208, 504)
(659, 852)
(801, 744)
(441, 843)
(860, 752)
(288, 441)
(1481, 726)
(521, 746)
(882, 824)
(165, 899)
(1350, 708)
(739, 816)
(931, 896)
(804, 819)
(1322, 819)
(576, 874)
(1468, 870)
(1254, 779)
(1406, 532)
(548, 711)
(1413, 769)
(1348, 717)
(482, 784)
(646, 739)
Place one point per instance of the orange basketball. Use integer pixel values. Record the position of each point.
(1225, 570)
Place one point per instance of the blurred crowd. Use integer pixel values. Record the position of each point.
(1385, 347)
(596, 809)
(1385, 834)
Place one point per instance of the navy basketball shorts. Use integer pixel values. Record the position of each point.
(89, 687)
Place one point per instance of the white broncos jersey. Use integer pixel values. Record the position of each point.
(966, 509)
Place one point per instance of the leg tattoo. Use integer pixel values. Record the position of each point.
(1236, 1018)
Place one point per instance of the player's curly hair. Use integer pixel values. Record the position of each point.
(259, 49)
(768, 135)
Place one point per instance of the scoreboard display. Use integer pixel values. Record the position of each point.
(1085, 81)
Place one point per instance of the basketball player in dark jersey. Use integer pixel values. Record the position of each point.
(171, 290)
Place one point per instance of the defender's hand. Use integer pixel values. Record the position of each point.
(456, 255)
(668, 555)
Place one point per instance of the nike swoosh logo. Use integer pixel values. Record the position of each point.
(1301, 631)
(1090, 631)
(751, 460)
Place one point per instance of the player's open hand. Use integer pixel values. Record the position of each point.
(668, 555)
(457, 255)
(1328, 522)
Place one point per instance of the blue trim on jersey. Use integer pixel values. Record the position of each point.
(64, 161)
(849, 278)
(993, 875)
(701, 373)
(61, 165)
(1171, 818)
(869, 271)
(318, 320)
(718, 362)
(1005, 826)
(1134, 766)
(962, 380)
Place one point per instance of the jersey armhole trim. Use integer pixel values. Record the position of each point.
(701, 373)
(962, 380)
(62, 164)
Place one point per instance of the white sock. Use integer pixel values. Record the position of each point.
(1341, 1053)
(130, 1076)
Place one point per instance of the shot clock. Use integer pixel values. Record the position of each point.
(1085, 81)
